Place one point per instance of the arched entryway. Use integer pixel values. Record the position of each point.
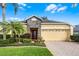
(34, 33)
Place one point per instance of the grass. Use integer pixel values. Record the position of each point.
(24, 51)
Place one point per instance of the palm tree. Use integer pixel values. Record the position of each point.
(16, 29)
(3, 5)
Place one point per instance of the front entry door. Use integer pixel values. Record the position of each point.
(34, 32)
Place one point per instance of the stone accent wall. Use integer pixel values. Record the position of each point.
(34, 24)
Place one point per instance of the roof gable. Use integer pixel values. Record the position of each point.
(33, 17)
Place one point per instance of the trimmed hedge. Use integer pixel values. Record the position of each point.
(27, 40)
(4, 41)
(7, 41)
(75, 38)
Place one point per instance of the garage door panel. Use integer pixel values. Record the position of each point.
(54, 35)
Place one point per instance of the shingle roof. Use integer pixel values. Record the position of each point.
(51, 21)
(44, 21)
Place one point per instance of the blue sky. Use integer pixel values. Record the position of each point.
(65, 12)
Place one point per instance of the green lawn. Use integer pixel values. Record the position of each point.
(24, 51)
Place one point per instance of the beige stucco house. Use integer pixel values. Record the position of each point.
(48, 30)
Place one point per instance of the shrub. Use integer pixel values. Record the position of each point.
(7, 41)
(1, 36)
(39, 41)
(75, 38)
(21, 39)
(27, 35)
(4, 41)
(27, 40)
(42, 41)
(17, 39)
(11, 40)
(8, 36)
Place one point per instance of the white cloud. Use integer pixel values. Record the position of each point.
(53, 11)
(62, 8)
(21, 8)
(51, 7)
(13, 18)
(22, 4)
(28, 6)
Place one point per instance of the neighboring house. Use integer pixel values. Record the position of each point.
(76, 30)
(47, 30)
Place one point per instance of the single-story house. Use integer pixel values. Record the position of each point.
(48, 30)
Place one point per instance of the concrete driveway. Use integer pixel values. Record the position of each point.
(63, 48)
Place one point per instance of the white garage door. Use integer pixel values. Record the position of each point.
(54, 35)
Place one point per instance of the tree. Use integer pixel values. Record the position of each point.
(3, 5)
(16, 29)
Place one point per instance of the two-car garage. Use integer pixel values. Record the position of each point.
(55, 32)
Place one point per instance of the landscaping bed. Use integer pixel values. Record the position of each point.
(24, 51)
(75, 38)
(23, 44)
